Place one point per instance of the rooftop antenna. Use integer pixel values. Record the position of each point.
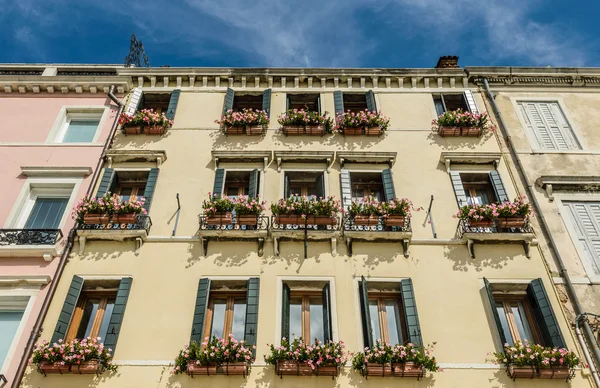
(137, 55)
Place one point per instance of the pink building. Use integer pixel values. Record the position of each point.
(55, 124)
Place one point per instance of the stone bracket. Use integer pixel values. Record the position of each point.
(526, 246)
(82, 241)
(276, 243)
(405, 245)
(204, 245)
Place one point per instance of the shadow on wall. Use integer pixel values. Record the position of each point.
(220, 256)
(33, 379)
(123, 141)
(486, 256)
(92, 253)
(374, 253)
(460, 142)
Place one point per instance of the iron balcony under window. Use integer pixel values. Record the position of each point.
(29, 236)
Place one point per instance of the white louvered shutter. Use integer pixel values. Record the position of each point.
(549, 125)
(134, 101)
(471, 102)
(585, 217)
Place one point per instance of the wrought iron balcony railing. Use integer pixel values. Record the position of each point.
(495, 226)
(297, 222)
(233, 222)
(142, 222)
(376, 224)
(29, 236)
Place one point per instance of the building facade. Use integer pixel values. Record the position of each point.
(172, 276)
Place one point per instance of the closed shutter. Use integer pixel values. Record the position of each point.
(46, 213)
(287, 190)
(252, 313)
(471, 102)
(134, 101)
(544, 314)
(488, 290)
(150, 187)
(371, 104)
(200, 310)
(116, 318)
(327, 330)
(107, 183)
(68, 308)
(338, 101)
(172, 108)
(459, 190)
(388, 184)
(266, 102)
(285, 311)
(253, 186)
(549, 125)
(346, 187)
(321, 185)
(219, 182)
(364, 313)
(585, 221)
(228, 101)
(413, 328)
(498, 186)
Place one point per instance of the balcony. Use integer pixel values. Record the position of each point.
(114, 231)
(376, 229)
(495, 233)
(309, 228)
(29, 242)
(233, 228)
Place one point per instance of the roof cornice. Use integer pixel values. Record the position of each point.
(536, 76)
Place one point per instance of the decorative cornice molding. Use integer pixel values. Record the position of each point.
(366, 157)
(264, 157)
(46, 171)
(304, 156)
(551, 183)
(32, 280)
(450, 157)
(125, 156)
(535, 76)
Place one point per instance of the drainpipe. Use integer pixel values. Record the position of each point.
(586, 353)
(546, 231)
(37, 328)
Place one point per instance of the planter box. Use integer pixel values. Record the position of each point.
(485, 223)
(315, 130)
(129, 218)
(327, 370)
(394, 220)
(91, 367)
(555, 372)
(295, 219)
(230, 369)
(512, 222)
(408, 369)
(293, 368)
(133, 130)
(365, 220)
(254, 130)
(194, 369)
(472, 131)
(352, 131)
(457, 131)
(373, 131)
(233, 369)
(155, 130)
(220, 219)
(293, 130)
(248, 219)
(237, 130)
(96, 219)
(521, 372)
(53, 368)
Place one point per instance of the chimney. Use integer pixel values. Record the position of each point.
(447, 62)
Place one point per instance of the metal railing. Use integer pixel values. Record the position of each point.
(297, 222)
(142, 222)
(464, 226)
(233, 222)
(374, 224)
(29, 236)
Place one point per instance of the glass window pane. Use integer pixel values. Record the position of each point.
(518, 311)
(295, 317)
(9, 322)
(232, 192)
(218, 318)
(316, 319)
(374, 312)
(392, 312)
(504, 323)
(46, 213)
(106, 319)
(239, 319)
(358, 194)
(81, 131)
(482, 196)
(87, 320)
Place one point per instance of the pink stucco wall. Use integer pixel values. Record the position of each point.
(27, 119)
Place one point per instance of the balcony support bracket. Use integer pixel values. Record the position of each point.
(82, 241)
(405, 245)
(138, 245)
(334, 246)
(204, 246)
(261, 245)
(276, 246)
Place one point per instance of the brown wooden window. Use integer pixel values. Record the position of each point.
(478, 189)
(92, 315)
(247, 101)
(450, 102)
(304, 183)
(226, 314)
(159, 102)
(517, 319)
(355, 102)
(387, 320)
(306, 315)
(237, 183)
(366, 184)
(308, 102)
(131, 184)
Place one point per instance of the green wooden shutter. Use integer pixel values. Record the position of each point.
(287, 190)
(150, 187)
(468, 95)
(228, 101)
(338, 101)
(253, 187)
(501, 195)
(107, 183)
(544, 314)
(321, 185)
(365, 315)
(252, 312)
(134, 101)
(219, 182)
(488, 290)
(285, 312)
(266, 103)
(371, 104)
(327, 329)
(346, 188)
(459, 190)
(172, 108)
(413, 328)
(66, 313)
(388, 184)
(200, 310)
(116, 318)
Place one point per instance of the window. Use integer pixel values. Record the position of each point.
(449, 102)
(92, 314)
(304, 183)
(366, 184)
(306, 310)
(386, 317)
(47, 213)
(129, 184)
(12, 310)
(77, 125)
(355, 102)
(547, 123)
(235, 183)
(226, 314)
(247, 101)
(584, 222)
(517, 319)
(81, 131)
(478, 188)
(308, 102)
(159, 102)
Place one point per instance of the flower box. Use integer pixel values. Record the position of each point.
(155, 130)
(293, 130)
(394, 220)
(365, 220)
(235, 130)
(220, 219)
(133, 130)
(233, 369)
(407, 369)
(483, 223)
(352, 131)
(91, 367)
(96, 219)
(327, 370)
(247, 219)
(512, 222)
(293, 368)
(555, 372)
(458, 131)
(522, 372)
(195, 369)
(373, 131)
(315, 130)
(128, 218)
(254, 130)
(296, 219)
(53, 368)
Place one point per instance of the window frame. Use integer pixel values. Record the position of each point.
(231, 297)
(354, 93)
(77, 316)
(506, 300)
(68, 113)
(244, 169)
(10, 298)
(242, 94)
(382, 313)
(305, 296)
(441, 96)
(284, 171)
(319, 97)
(141, 103)
(373, 171)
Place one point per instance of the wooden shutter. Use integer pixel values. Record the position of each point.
(107, 183)
(150, 186)
(488, 290)
(371, 104)
(287, 190)
(327, 329)
(499, 189)
(134, 101)
(346, 188)
(409, 304)
(585, 221)
(200, 310)
(173, 104)
(459, 190)
(321, 185)
(228, 101)
(116, 318)
(266, 103)
(471, 102)
(219, 182)
(252, 313)
(365, 315)
(544, 314)
(285, 311)
(439, 105)
(253, 187)
(60, 332)
(549, 125)
(388, 184)
(338, 101)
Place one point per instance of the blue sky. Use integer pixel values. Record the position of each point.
(303, 33)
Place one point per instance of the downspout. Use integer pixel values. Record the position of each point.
(546, 231)
(37, 328)
(586, 353)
